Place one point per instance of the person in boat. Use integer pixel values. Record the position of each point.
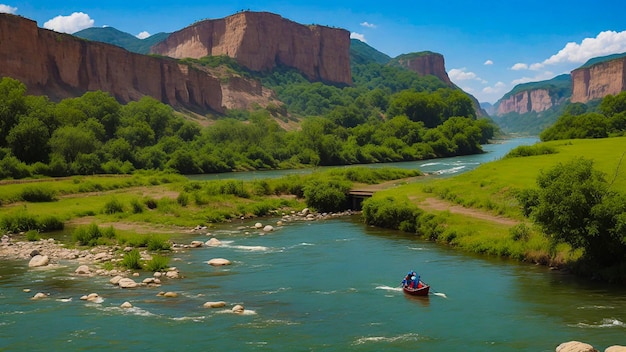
(408, 279)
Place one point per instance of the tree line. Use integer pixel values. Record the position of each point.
(94, 134)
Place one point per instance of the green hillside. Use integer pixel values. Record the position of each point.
(559, 86)
(116, 37)
(597, 60)
(361, 53)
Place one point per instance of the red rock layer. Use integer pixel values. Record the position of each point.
(261, 41)
(599, 80)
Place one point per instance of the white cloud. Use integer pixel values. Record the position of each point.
(488, 62)
(7, 9)
(497, 88)
(368, 25)
(536, 67)
(540, 77)
(605, 43)
(359, 36)
(460, 74)
(143, 35)
(70, 24)
(519, 66)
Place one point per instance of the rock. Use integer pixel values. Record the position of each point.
(268, 228)
(34, 252)
(126, 305)
(305, 211)
(615, 348)
(213, 242)
(239, 309)
(196, 244)
(82, 270)
(575, 346)
(170, 294)
(101, 257)
(127, 283)
(260, 41)
(27, 290)
(219, 262)
(258, 225)
(92, 297)
(427, 64)
(279, 223)
(218, 304)
(38, 261)
(599, 80)
(40, 295)
(116, 280)
(172, 274)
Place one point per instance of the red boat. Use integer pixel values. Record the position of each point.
(422, 291)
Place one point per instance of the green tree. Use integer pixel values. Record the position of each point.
(28, 140)
(574, 205)
(69, 142)
(12, 105)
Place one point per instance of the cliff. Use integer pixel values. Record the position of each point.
(535, 96)
(60, 66)
(424, 63)
(261, 41)
(598, 80)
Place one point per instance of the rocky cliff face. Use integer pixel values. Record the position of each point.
(261, 41)
(60, 66)
(425, 64)
(537, 100)
(599, 80)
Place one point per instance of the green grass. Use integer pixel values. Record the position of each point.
(492, 188)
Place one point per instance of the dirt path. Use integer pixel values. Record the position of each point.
(434, 204)
(442, 205)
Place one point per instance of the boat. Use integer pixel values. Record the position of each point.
(422, 291)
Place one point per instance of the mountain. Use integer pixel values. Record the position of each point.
(361, 53)
(424, 63)
(60, 66)
(598, 78)
(488, 107)
(116, 37)
(531, 107)
(535, 96)
(262, 41)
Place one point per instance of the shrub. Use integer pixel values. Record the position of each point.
(132, 260)
(520, 232)
(391, 213)
(183, 199)
(157, 263)
(38, 194)
(33, 235)
(158, 243)
(90, 235)
(50, 223)
(151, 203)
(113, 206)
(137, 206)
(327, 195)
(525, 150)
(18, 222)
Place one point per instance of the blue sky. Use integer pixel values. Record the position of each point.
(489, 45)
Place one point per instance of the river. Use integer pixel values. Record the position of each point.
(313, 286)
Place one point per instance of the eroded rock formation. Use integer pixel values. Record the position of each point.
(427, 63)
(261, 41)
(523, 102)
(599, 80)
(60, 66)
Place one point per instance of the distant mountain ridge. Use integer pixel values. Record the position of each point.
(125, 40)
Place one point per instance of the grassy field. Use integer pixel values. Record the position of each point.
(492, 188)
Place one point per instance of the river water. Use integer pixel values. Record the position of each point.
(313, 286)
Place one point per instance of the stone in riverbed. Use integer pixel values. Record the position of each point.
(213, 242)
(40, 295)
(39, 260)
(238, 309)
(575, 346)
(82, 270)
(127, 283)
(219, 262)
(217, 304)
(126, 305)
